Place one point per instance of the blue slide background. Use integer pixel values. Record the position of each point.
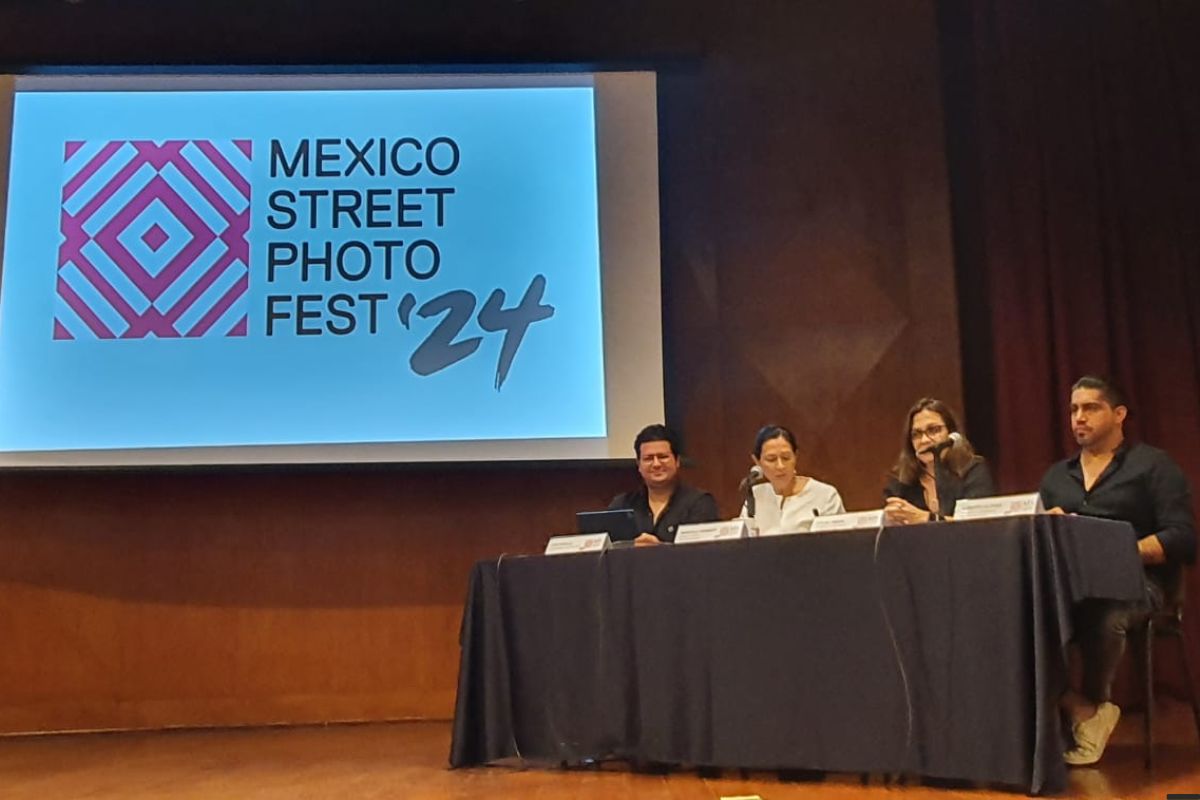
(525, 204)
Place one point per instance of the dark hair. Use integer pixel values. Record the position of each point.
(1107, 388)
(958, 459)
(656, 433)
(769, 432)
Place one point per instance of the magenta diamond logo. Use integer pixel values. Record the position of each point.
(154, 240)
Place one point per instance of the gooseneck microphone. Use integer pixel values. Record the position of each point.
(746, 487)
(939, 469)
(954, 439)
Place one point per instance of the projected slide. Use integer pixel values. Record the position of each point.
(243, 268)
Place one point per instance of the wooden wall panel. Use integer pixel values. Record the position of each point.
(834, 285)
(807, 280)
(148, 599)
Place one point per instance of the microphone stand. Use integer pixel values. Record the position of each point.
(748, 494)
(940, 478)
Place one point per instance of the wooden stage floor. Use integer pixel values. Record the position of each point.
(408, 760)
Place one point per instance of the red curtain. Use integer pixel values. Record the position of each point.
(1073, 138)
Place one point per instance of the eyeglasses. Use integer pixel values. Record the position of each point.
(933, 431)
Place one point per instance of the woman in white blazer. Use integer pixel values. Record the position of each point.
(785, 502)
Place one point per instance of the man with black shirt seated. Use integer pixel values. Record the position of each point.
(663, 503)
(1114, 479)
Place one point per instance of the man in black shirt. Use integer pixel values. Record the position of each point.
(663, 503)
(1141, 485)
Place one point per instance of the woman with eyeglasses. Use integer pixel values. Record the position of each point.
(937, 467)
(782, 501)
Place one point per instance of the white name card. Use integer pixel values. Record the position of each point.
(577, 543)
(1010, 505)
(712, 531)
(854, 521)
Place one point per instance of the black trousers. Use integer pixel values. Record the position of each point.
(1101, 627)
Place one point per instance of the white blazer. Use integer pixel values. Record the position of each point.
(793, 513)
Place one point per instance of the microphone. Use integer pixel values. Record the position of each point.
(952, 441)
(746, 487)
(939, 469)
(955, 438)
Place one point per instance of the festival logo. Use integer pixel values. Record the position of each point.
(154, 240)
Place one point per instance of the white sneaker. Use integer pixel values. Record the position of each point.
(1091, 736)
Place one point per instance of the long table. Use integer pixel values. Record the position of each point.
(936, 650)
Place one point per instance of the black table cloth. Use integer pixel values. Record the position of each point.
(932, 649)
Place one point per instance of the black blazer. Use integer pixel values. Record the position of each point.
(976, 482)
(687, 505)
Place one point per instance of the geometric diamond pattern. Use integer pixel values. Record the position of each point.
(154, 239)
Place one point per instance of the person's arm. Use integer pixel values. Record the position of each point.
(893, 488)
(899, 509)
(977, 482)
(623, 501)
(833, 505)
(901, 512)
(1050, 499)
(703, 509)
(1175, 541)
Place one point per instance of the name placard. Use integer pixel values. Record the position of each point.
(712, 531)
(1010, 505)
(577, 543)
(853, 521)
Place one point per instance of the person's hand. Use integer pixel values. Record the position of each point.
(646, 539)
(1151, 550)
(901, 512)
(1057, 511)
